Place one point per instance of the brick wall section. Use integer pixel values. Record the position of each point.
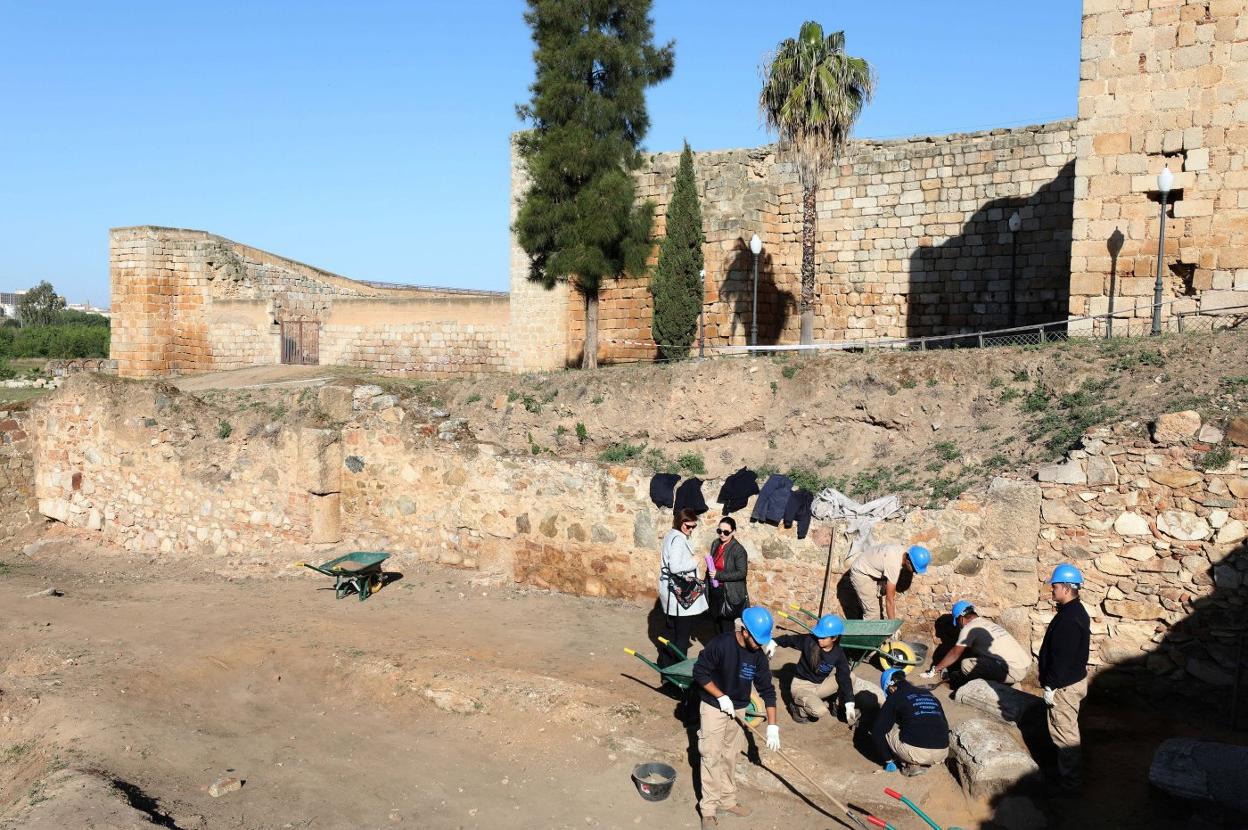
(1162, 83)
(17, 471)
(426, 350)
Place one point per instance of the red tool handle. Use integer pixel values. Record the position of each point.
(877, 822)
(889, 791)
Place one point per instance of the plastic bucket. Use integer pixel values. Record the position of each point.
(654, 780)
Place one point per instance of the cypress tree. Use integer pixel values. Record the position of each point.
(579, 221)
(677, 282)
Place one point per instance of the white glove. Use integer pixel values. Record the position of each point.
(929, 674)
(773, 736)
(1049, 696)
(770, 649)
(851, 714)
(725, 705)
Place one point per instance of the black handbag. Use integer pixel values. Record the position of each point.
(686, 589)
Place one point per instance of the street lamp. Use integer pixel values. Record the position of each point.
(1015, 223)
(702, 315)
(1165, 180)
(756, 248)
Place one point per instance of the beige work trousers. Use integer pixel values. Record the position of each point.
(811, 698)
(720, 740)
(1064, 729)
(868, 591)
(987, 667)
(916, 756)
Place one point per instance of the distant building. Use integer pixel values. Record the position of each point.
(88, 308)
(8, 302)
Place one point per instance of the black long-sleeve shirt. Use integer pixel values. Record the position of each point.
(815, 664)
(920, 716)
(1064, 651)
(733, 668)
(737, 490)
(798, 508)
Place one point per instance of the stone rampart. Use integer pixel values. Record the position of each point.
(17, 470)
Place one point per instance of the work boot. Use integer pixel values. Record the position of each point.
(798, 715)
(911, 770)
(710, 823)
(738, 810)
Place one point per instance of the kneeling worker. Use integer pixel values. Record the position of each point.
(910, 731)
(822, 656)
(876, 572)
(726, 668)
(994, 653)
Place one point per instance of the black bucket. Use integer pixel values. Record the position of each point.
(654, 780)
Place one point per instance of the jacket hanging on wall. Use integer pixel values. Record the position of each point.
(689, 494)
(798, 509)
(662, 486)
(737, 490)
(772, 500)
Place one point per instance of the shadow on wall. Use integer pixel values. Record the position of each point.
(1185, 687)
(775, 305)
(964, 283)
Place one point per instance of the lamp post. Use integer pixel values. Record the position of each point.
(1165, 180)
(756, 248)
(1015, 223)
(702, 317)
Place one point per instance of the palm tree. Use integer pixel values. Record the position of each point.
(812, 94)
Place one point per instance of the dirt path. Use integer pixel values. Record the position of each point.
(258, 377)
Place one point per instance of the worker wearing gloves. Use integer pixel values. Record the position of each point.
(910, 731)
(994, 653)
(875, 574)
(822, 657)
(1064, 672)
(726, 668)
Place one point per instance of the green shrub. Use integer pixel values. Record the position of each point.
(58, 342)
(621, 453)
(473, 398)
(947, 450)
(1037, 400)
(1215, 459)
(692, 463)
(789, 372)
(224, 429)
(582, 434)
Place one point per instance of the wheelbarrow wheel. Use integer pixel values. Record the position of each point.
(897, 655)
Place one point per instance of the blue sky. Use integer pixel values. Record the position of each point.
(370, 138)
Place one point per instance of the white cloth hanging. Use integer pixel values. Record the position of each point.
(833, 505)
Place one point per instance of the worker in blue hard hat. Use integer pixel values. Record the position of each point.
(910, 732)
(726, 668)
(1064, 672)
(876, 572)
(984, 650)
(822, 671)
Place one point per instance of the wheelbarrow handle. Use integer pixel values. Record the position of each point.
(316, 568)
(791, 618)
(644, 659)
(797, 607)
(673, 648)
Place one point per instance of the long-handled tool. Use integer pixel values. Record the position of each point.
(889, 791)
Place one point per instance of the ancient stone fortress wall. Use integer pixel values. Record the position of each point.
(1160, 541)
(187, 301)
(1162, 83)
(17, 470)
(912, 240)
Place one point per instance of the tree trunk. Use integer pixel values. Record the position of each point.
(589, 352)
(808, 265)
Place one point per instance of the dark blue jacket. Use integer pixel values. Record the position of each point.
(920, 716)
(733, 668)
(772, 501)
(816, 664)
(1064, 651)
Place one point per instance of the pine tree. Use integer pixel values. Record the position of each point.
(579, 221)
(677, 282)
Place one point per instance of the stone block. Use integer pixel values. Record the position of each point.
(1182, 525)
(988, 761)
(1237, 432)
(1174, 427)
(1173, 477)
(1071, 472)
(1132, 524)
(1005, 703)
(319, 462)
(326, 511)
(1202, 771)
(1101, 471)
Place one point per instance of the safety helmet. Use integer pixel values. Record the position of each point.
(758, 622)
(919, 558)
(829, 625)
(888, 677)
(1066, 572)
(959, 608)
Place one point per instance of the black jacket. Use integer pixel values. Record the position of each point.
(815, 664)
(689, 494)
(733, 668)
(1064, 651)
(798, 509)
(661, 487)
(732, 577)
(920, 716)
(737, 489)
(772, 500)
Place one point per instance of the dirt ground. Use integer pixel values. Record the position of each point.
(448, 700)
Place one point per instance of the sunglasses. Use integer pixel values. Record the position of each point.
(725, 532)
(689, 526)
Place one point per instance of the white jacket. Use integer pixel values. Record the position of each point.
(679, 559)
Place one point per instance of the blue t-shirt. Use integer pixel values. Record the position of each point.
(734, 669)
(920, 716)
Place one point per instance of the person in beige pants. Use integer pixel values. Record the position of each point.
(984, 650)
(1064, 673)
(876, 572)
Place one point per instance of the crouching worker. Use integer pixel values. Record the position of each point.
(727, 667)
(910, 732)
(822, 657)
(993, 653)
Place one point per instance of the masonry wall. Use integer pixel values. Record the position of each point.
(17, 470)
(1165, 84)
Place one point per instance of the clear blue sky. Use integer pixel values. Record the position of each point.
(370, 138)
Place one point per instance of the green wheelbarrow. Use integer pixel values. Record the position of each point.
(680, 675)
(359, 570)
(864, 639)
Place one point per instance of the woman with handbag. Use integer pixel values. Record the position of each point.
(728, 566)
(682, 589)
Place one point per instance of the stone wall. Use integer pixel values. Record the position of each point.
(17, 470)
(1162, 85)
(187, 301)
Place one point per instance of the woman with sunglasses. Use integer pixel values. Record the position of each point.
(682, 589)
(728, 566)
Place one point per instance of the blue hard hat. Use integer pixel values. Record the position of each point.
(919, 558)
(1068, 573)
(829, 625)
(758, 622)
(887, 678)
(959, 608)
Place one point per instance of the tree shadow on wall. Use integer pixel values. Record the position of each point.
(1186, 686)
(951, 292)
(775, 305)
